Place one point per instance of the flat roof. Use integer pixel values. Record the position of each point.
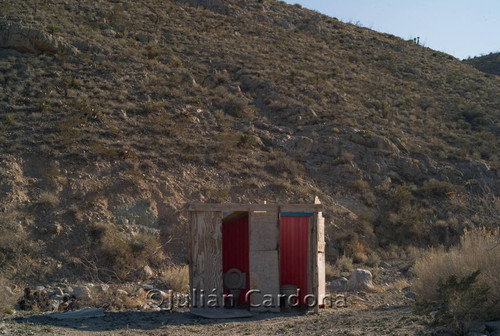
(254, 207)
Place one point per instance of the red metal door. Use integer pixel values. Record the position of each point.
(294, 230)
(235, 250)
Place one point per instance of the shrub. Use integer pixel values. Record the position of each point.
(344, 264)
(456, 278)
(112, 255)
(463, 299)
(373, 260)
(176, 278)
(437, 188)
(7, 300)
(330, 273)
(48, 199)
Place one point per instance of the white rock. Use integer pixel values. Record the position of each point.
(121, 292)
(101, 288)
(360, 280)
(82, 292)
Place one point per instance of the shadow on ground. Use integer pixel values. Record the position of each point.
(141, 320)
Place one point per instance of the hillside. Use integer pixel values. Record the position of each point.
(115, 114)
(488, 63)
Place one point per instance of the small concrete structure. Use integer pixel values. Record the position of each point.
(257, 252)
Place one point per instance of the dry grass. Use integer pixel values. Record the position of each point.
(6, 299)
(397, 285)
(330, 272)
(113, 301)
(176, 278)
(479, 249)
(48, 199)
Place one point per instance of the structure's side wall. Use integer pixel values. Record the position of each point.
(206, 252)
(264, 260)
(321, 256)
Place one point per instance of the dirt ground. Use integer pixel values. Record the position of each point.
(388, 311)
(345, 321)
(365, 314)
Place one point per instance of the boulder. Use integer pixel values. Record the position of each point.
(383, 144)
(146, 273)
(8, 290)
(360, 280)
(121, 292)
(473, 326)
(82, 292)
(101, 288)
(56, 291)
(493, 325)
(32, 40)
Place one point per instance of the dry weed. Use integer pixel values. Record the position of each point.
(478, 249)
(176, 278)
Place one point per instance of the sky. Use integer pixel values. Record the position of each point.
(461, 28)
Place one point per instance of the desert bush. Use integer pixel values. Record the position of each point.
(373, 260)
(287, 166)
(330, 272)
(464, 299)
(111, 301)
(17, 250)
(112, 255)
(344, 264)
(437, 188)
(7, 300)
(176, 278)
(457, 277)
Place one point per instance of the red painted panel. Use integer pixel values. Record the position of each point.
(293, 252)
(235, 250)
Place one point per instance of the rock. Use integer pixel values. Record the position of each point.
(53, 305)
(147, 287)
(8, 290)
(383, 144)
(477, 333)
(411, 296)
(109, 33)
(361, 280)
(473, 326)
(142, 37)
(303, 144)
(82, 292)
(121, 292)
(493, 326)
(339, 285)
(32, 40)
(101, 288)
(385, 264)
(56, 291)
(146, 273)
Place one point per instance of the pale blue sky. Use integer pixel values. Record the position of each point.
(461, 28)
